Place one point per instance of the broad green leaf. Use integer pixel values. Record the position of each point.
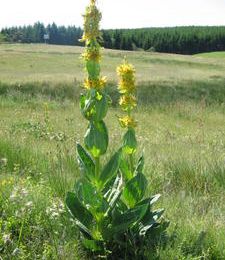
(130, 142)
(85, 231)
(114, 193)
(140, 165)
(94, 105)
(86, 163)
(92, 199)
(149, 221)
(150, 200)
(128, 219)
(124, 169)
(96, 138)
(93, 245)
(110, 169)
(134, 190)
(93, 69)
(78, 210)
(101, 107)
(87, 106)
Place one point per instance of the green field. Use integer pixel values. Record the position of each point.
(181, 129)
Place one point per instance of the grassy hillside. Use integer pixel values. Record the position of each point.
(181, 129)
(34, 62)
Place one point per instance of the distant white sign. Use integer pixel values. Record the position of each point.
(46, 36)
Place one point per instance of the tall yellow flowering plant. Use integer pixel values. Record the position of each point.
(108, 202)
(128, 102)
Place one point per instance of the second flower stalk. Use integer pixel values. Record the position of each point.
(128, 102)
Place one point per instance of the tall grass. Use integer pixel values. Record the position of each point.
(149, 93)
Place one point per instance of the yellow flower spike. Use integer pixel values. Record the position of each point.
(126, 73)
(92, 17)
(127, 122)
(128, 102)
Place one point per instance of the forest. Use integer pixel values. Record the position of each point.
(181, 40)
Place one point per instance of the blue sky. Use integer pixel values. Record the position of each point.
(116, 13)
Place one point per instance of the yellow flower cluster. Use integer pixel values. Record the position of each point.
(92, 17)
(95, 83)
(128, 102)
(127, 121)
(126, 73)
(92, 53)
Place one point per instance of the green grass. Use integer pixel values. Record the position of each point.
(218, 54)
(181, 129)
(35, 62)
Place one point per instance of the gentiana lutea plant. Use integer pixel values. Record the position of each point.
(108, 202)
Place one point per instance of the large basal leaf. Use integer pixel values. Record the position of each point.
(134, 190)
(84, 230)
(150, 200)
(124, 221)
(86, 163)
(110, 169)
(96, 138)
(92, 199)
(149, 221)
(78, 211)
(114, 193)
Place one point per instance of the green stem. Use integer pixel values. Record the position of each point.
(97, 167)
(131, 158)
(131, 162)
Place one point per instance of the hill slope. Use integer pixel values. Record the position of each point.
(37, 62)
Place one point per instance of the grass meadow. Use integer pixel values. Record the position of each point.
(181, 130)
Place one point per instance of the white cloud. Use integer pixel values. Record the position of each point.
(116, 13)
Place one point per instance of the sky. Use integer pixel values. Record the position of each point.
(116, 13)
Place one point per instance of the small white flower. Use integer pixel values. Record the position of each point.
(29, 204)
(24, 192)
(6, 238)
(16, 252)
(3, 161)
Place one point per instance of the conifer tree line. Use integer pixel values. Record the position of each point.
(61, 35)
(183, 40)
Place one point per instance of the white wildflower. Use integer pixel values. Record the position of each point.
(7, 238)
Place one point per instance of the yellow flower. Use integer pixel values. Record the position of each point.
(126, 72)
(127, 121)
(128, 102)
(95, 83)
(92, 53)
(126, 86)
(125, 69)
